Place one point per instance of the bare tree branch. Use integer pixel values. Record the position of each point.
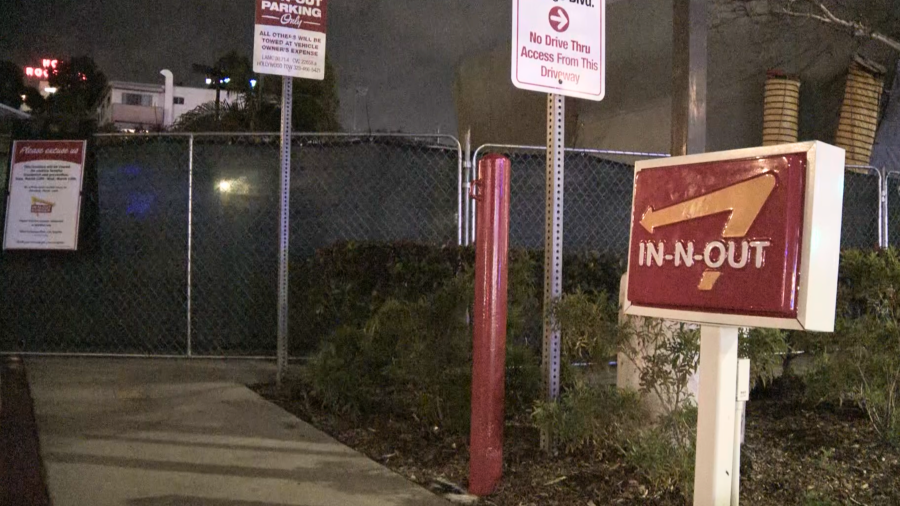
(856, 28)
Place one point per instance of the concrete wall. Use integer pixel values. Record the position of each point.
(194, 97)
(636, 113)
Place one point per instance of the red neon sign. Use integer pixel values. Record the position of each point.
(44, 71)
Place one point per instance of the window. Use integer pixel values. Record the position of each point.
(178, 101)
(137, 99)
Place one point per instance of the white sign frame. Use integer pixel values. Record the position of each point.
(70, 225)
(820, 243)
(535, 14)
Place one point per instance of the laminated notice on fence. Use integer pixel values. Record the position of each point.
(44, 199)
(289, 38)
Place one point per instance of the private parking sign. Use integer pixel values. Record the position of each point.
(559, 46)
(744, 238)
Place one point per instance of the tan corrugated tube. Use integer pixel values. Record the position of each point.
(859, 112)
(781, 110)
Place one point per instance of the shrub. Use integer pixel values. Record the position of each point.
(591, 416)
(668, 465)
(345, 284)
(345, 375)
(415, 358)
(766, 349)
(860, 361)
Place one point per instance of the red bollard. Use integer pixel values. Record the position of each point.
(491, 191)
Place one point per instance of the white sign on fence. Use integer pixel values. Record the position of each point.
(44, 195)
(289, 38)
(559, 46)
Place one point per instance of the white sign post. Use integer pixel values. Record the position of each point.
(558, 48)
(289, 41)
(45, 195)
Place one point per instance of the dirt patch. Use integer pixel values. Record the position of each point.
(794, 454)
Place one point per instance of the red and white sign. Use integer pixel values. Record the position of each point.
(289, 38)
(559, 19)
(560, 49)
(44, 195)
(742, 238)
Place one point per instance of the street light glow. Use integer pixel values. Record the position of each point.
(208, 80)
(225, 186)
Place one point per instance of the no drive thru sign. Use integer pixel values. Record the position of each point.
(742, 238)
(559, 46)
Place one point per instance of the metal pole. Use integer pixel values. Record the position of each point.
(190, 237)
(489, 339)
(468, 181)
(885, 211)
(689, 61)
(715, 417)
(286, 106)
(553, 246)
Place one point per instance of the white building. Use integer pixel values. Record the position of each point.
(153, 107)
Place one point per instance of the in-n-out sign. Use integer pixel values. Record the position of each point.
(741, 238)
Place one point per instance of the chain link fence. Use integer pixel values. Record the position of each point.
(179, 233)
(861, 222)
(179, 237)
(343, 188)
(597, 201)
(123, 292)
(598, 192)
(892, 208)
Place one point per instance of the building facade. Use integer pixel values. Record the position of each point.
(141, 107)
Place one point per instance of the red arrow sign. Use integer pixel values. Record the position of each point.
(559, 19)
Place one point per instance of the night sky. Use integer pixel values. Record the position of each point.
(404, 51)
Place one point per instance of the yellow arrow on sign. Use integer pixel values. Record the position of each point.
(745, 200)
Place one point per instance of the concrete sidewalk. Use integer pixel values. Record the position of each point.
(188, 433)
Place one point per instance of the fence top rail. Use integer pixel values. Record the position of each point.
(870, 170)
(278, 134)
(590, 151)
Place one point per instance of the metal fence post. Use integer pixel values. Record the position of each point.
(553, 245)
(190, 233)
(884, 210)
(282, 344)
(467, 237)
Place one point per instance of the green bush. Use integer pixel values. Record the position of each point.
(412, 354)
(667, 463)
(588, 416)
(345, 284)
(860, 361)
(766, 349)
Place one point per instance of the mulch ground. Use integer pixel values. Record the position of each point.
(794, 454)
